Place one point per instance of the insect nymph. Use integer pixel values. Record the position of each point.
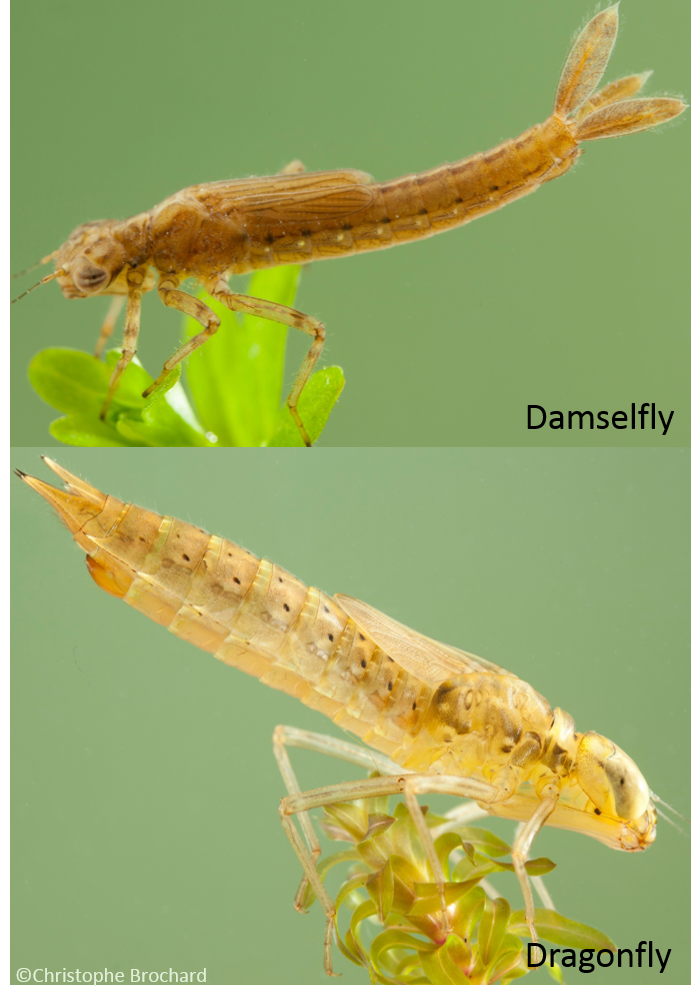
(441, 719)
(212, 231)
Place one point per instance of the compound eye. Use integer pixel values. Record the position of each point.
(88, 277)
(611, 779)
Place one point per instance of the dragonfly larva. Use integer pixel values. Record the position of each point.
(447, 721)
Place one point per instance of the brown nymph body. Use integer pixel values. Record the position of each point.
(212, 231)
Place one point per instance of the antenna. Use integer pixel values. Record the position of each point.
(48, 278)
(44, 260)
(655, 798)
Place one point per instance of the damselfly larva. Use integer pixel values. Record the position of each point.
(212, 231)
(441, 720)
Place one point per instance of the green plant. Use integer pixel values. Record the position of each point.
(390, 895)
(235, 382)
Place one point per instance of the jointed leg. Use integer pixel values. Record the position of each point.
(519, 855)
(332, 747)
(280, 740)
(288, 736)
(288, 317)
(410, 785)
(451, 785)
(301, 803)
(109, 324)
(128, 347)
(463, 814)
(189, 304)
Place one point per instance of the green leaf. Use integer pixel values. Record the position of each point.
(429, 900)
(172, 432)
(493, 928)
(316, 401)
(134, 379)
(466, 870)
(459, 951)
(236, 378)
(77, 383)
(378, 823)
(534, 867)
(444, 845)
(440, 968)
(404, 876)
(393, 939)
(403, 840)
(539, 866)
(485, 841)
(151, 421)
(468, 911)
(348, 888)
(553, 927)
(508, 965)
(363, 911)
(79, 429)
(555, 973)
(324, 866)
(381, 887)
(71, 381)
(350, 818)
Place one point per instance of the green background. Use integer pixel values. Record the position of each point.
(145, 790)
(573, 299)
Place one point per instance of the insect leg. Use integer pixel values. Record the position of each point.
(128, 347)
(332, 747)
(189, 304)
(109, 324)
(288, 317)
(410, 786)
(467, 787)
(464, 814)
(280, 739)
(301, 802)
(288, 736)
(522, 846)
(428, 843)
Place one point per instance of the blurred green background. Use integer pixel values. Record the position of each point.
(576, 298)
(145, 791)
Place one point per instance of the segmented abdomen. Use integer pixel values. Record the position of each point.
(419, 205)
(253, 615)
